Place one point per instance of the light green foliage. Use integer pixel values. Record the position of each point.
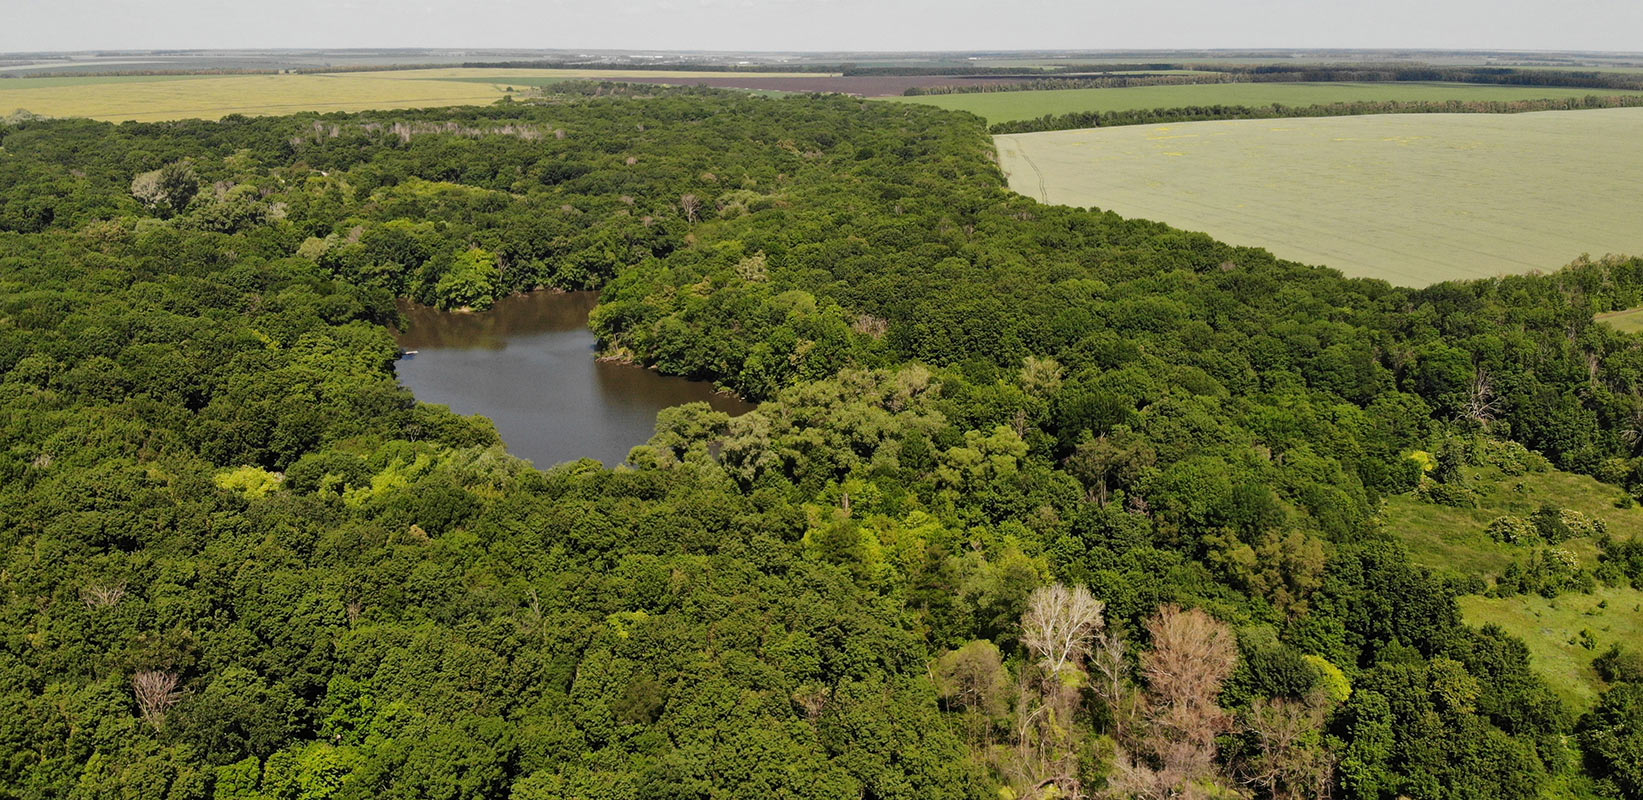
(470, 282)
(983, 458)
(253, 482)
(396, 476)
(1334, 683)
(1307, 188)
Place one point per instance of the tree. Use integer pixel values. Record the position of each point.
(1288, 759)
(1192, 654)
(1057, 628)
(156, 693)
(167, 190)
(1612, 736)
(974, 679)
(471, 281)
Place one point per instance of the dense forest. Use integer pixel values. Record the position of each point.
(1040, 502)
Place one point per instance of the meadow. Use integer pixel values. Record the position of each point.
(158, 98)
(1552, 630)
(1452, 541)
(1413, 199)
(1628, 321)
(1009, 106)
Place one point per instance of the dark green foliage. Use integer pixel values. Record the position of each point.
(209, 473)
(1612, 737)
(1620, 665)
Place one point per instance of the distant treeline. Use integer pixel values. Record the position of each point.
(1110, 119)
(1004, 72)
(1308, 73)
(669, 66)
(1101, 82)
(846, 69)
(1502, 76)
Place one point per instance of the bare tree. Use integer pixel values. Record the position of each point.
(690, 204)
(1192, 655)
(1109, 679)
(103, 596)
(1482, 406)
(1058, 629)
(156, 693)
(1288, 761)
(1059, 626)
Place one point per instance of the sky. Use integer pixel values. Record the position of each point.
(799, 25)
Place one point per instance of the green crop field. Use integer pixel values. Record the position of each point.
(1413, 199)
(1007, 106)
(155, 98)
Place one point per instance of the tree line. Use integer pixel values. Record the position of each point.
(1107, 119)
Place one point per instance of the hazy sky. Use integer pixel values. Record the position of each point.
(822, 24)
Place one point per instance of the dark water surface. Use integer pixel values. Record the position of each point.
(529, 365)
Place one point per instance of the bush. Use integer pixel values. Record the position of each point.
(1513, 530)
(1454, 495)
(1618, 665)
(1549, 521)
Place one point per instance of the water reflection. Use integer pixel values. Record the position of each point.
(528, 365)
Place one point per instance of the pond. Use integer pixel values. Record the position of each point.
(528, 364)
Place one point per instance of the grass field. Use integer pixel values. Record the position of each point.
(1414, 199)
(1007, 106)
(1551, 629)
(154, 98)
(1453, 541)
(1628, 321)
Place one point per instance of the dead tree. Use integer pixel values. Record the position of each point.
(156, 693)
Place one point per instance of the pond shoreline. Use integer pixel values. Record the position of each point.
(531, 364)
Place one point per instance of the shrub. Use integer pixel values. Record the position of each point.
(1549, 521)
(1620, 664)
(1513, 530)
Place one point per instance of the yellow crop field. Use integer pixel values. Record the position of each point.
(211, 97)
(1414, 199)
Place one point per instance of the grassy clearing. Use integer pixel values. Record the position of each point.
(155, 98)
(1413, 199)
(1628, 321)
(1007, 106)
(1551, 629)
(1453, 540)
